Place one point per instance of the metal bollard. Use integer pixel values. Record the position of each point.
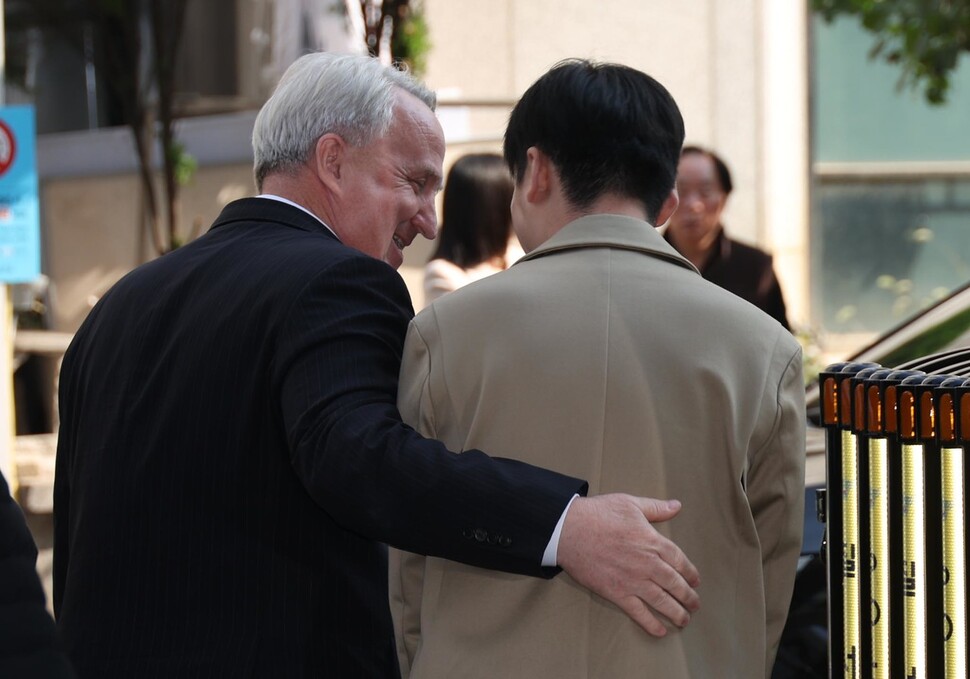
(895, 518)
(841, 513)
(954, 437)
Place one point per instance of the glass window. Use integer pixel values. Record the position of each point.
(861, 115)
(884, 249)
(891, 188)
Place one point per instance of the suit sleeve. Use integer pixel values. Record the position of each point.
(776, 488)
(336, 369)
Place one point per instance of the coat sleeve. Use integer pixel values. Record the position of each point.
(775, 485)
(406, 570)
(406, 589)
(336, 368)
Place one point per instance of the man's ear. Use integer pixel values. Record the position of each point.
(329, 155)
(668, 208)
(538, 179)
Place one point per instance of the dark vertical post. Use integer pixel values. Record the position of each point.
(836, 418)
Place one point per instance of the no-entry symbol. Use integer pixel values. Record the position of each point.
(8, 148)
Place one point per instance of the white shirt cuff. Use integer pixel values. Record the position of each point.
(550, 557)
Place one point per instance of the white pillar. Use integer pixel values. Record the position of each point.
(786, 150)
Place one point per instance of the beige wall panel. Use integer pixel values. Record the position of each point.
(90, 240)
(471, 47)
(641, 34)
(736, 127)
(210, 190)
(91, 237)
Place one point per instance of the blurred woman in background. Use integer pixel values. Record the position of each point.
(476, 238)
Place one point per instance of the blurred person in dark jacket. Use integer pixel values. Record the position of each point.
(695, 230)
(29, 647)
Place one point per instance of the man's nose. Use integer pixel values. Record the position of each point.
(426, 220)
(691, 201)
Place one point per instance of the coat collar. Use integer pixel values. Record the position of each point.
(268, 210)
(610, 231)
(720, 252)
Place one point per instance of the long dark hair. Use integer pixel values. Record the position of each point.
(476, 222)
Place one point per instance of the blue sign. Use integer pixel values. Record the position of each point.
(19, 201)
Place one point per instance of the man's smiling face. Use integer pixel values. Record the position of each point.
(392, 183)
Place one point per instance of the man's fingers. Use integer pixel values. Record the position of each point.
(671, 554)
(609, 546)
(640, 613)
(663, 510)
(674, 602)
(658, 510)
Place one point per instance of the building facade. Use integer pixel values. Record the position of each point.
(857, 188)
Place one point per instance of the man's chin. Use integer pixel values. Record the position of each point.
(691, 230)
(394, 257)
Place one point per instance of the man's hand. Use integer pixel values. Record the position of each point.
(608, 546)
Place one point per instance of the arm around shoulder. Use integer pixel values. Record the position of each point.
(337, 373)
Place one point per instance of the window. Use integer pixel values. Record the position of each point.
(891, 188)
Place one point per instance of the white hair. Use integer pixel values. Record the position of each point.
(321, 93)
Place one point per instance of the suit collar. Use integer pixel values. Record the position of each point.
(610, 231)
(269, 210)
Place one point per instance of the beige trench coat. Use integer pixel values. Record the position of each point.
(603, 354)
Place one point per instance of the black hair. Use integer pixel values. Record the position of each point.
(720, 167)
(476, 221)
(606, 128)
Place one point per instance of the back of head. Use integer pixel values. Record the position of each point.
(607, 128)
(320, 93)
(476, 221)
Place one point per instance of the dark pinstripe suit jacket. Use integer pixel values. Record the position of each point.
(231, 460)
(28, 639)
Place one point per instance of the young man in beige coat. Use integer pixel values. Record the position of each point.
(604, 354)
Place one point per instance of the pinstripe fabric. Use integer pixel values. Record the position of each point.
(231, 459)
